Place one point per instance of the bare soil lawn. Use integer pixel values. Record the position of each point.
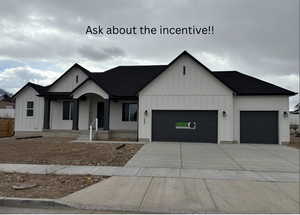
(295, 142)
(58, 150)
(48, 186)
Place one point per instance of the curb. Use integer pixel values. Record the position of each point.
(32, 202)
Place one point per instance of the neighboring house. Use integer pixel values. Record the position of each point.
(181, 101)
(295, 117)
(7, 107)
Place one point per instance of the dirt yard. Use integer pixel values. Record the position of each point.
(58, 150)
(47, 186)
(295, 142)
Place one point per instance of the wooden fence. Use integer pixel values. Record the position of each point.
(6, 127)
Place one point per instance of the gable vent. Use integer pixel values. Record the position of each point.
(183, 70)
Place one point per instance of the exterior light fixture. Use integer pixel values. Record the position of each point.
(224, 113)
(285, 114)
(146, 113)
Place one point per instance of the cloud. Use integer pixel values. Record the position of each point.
(99, 54)
(13, 79)
(257, 37)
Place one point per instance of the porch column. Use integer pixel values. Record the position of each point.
(75, 114)
(46, 113)
(106, 114)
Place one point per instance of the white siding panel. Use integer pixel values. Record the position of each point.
(197, 90)
(24, 123)
(56, 117)
(264, 103)
(115, 120)
(197, 81)
(90, 88)
(68, 82)
(83, 123)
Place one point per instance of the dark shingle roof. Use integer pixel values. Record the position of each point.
(127, 80)
(40, 89)
(246, 85)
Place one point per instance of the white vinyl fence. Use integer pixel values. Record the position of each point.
(7, 113)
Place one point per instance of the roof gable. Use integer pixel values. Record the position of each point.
(38, 88)
(70, 84)
(186, 76)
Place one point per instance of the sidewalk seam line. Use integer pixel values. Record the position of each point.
(181, 162)
(210, 194)
(144, 196)
(226, 153)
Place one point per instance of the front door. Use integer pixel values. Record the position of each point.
(100, 114)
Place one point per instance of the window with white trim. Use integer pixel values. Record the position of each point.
(29, 108)
(129, 112)
(68, 110)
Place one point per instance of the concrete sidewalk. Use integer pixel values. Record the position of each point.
(187, 195)
(152, 172)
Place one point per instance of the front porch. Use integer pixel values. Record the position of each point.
(79, 112)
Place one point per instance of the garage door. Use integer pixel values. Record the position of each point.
(185, 125)
(259, 127)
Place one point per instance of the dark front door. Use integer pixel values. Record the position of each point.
(100, 114)
(259, 127)
(185, 125)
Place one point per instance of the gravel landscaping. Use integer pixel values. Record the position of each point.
(59, 150)
(46, 186)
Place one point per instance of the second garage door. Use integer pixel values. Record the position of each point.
(259, 127)
(185, 125)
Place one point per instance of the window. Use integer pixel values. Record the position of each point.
(29, 108)
(129, 112)
(68, 110)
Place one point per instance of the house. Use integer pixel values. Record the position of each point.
(295, 118)
(181, 101)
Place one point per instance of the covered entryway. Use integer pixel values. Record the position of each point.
(185, 125)
(259, 127)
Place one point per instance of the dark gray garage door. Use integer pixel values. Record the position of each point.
(259, 127)
(185, 125)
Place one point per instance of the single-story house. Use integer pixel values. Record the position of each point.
(181, 101)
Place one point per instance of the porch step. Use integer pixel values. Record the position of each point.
(83, 137)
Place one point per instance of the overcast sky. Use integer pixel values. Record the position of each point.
(39, 40)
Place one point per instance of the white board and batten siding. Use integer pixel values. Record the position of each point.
(196, 90)
(68, 82)
(115, 117)
(22, 121)
(264, 103)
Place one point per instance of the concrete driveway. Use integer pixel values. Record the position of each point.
(201, 178)
(251, 157)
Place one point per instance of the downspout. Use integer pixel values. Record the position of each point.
(233, 117)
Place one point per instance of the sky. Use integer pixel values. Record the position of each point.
(40, 40)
